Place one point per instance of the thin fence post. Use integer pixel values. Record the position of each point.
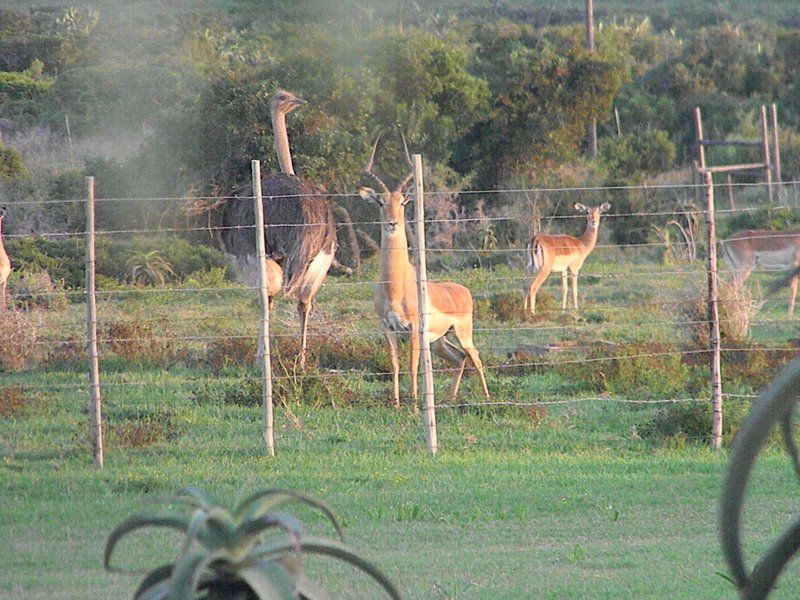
(765, 152)
(429, 409)
(96, 402)
(731, 200)
(713, 316)
(776, 149)
(263, 334)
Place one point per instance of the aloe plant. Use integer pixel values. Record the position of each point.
(228, 554)
(149, 268)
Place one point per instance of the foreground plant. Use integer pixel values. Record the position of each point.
(230, 554)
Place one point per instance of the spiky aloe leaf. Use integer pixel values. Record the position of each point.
(156, 585)
(330, 548)
(196, 497)
(269, 580)
(186, 574)
(262, 502)
(179, 522)
(253, 527)
(220, 529)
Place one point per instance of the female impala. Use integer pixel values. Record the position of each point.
(562, 254)
(774, 250)
(396, 295)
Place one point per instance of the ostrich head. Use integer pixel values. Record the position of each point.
(284, 102)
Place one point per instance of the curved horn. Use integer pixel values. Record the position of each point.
(410, 176)
(368, 169)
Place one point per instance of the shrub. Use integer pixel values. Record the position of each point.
(228, 554)
(67, 351)
(652, 370)
(142, 431)
(14, 402)
(763, 218)
(233, 351)
(37, 289)
(139, 341)
(735, 307)
(18, 334)
(691, 422)
(148, 268)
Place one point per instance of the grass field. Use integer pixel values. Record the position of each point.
(557, 501)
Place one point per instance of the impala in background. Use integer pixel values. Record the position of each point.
(772, 250)
(563, 254)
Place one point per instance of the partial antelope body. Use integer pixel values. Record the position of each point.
(396, 301)
(563, 254)
(5, 263)
(774, 250)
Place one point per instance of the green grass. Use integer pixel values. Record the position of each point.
(563, 502)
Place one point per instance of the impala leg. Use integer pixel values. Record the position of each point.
(792, 294)
(452, 354)
(564, 291)
(464, 334)
(574, 278)
(3, 295)
(391, 338)
(304, 310)
(534, 287)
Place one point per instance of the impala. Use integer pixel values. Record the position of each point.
(773, 250)
(396, 295)
(563, 254)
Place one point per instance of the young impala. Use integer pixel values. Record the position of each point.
(396, 295)
(563, 254)
(774, 250)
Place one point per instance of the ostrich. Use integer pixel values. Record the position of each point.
(5, 263)
(299, 231)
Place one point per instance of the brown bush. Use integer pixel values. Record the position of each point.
(18, 334)
(138, 341)
(38, 290)
(735, 306)
(141, 434)
(67, 352)
(232, 351)
(14, 402)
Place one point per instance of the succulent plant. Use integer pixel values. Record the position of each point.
(235, 554)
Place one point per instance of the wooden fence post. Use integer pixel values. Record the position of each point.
(96, 402)
(765, 152)
(731, 199)
(429, 409)
(263, 334)
(713, 316)
(776, 150)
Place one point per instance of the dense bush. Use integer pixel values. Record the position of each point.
(36, 289)
(18, 334)
(64, 258)
(680, 423)
(647, 371)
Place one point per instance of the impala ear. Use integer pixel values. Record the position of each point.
(605, 207)
(580, 207)
(407, 197)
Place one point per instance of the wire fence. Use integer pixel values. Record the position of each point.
(641, 297)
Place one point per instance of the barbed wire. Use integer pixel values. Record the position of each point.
(522, 190)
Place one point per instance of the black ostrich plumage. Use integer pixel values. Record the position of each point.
(298, 224)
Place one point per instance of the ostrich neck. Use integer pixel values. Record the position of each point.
(282, 142)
